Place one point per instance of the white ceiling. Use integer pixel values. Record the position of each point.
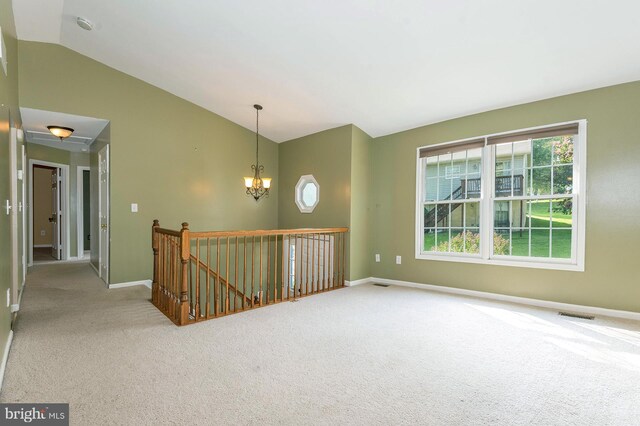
(86, 129)
(384, 66)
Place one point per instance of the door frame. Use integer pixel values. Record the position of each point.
(80, 208)
(65, 234)
(104, 258)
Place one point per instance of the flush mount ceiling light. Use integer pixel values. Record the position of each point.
(60, 131)
(84, 23)
(256, 186)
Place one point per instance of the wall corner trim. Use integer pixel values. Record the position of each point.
(359, 282)
(146, 283)
(593, 310)
(5, 358)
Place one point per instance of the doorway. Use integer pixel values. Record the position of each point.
(49, 206)
(84, 212)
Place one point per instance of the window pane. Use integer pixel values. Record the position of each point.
(429, 239)
(520, 242)
(472, 241)
(429, 215)
(431, 189)
(563, 150)
(541, 181)
(472, 215)
(541, 152)
(540, 243)
(562, 213)
(501, 242)
(540, 213)
(442, 240)
(457, 241)
(444, 160)
(501, 214)
(563, 179)
(431, 166)
(457, 211)
(561, 243)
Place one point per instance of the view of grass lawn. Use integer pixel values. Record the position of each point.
(541, 221)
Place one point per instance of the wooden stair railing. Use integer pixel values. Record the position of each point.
(204, 275)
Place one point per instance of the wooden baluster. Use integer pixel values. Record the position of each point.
(236, 281)
(185, 255)
(314, 271)
(344, 257)
(154, 247)
(275, 268)
(324, 262)
(216, 286)
(307, 264)
(260, 294)
(197, 302)
(332, 254)
(253, 249)
(227, 279)
(244, 271)
(268, 265)
(282, 270)
(208, 291)
(192, 308)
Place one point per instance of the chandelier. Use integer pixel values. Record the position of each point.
(257, 186)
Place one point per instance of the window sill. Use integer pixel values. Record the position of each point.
(559, 266)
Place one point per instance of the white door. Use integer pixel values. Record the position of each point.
(56, 214)
(103, 208)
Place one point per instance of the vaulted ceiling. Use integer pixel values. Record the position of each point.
(384, 66)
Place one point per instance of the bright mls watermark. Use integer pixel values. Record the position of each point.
(36, 414)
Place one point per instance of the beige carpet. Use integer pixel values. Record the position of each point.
(364, 355)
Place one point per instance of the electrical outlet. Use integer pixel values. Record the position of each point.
(43, 232)
(134, 208)
(377, 257)
(398, 260)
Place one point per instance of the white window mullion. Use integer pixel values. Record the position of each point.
(486, 202)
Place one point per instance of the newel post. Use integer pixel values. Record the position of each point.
(154, 245)
(185, 252)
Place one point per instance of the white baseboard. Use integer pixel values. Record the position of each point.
(5, 358)
(358, 282)
(591, 310)
(146, 283)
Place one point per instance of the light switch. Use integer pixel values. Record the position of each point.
(398, 260)
(134, 208)
(20, 174)
(377, 257)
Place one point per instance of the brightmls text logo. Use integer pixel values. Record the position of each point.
(36, 414)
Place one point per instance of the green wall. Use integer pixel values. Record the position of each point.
(178, 161)
(9, 116)
(340, 160)
(610, 279)
(360, 251)
(327, 156)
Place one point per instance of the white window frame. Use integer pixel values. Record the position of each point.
(577, 260)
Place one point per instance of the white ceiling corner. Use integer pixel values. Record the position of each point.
(383, 66)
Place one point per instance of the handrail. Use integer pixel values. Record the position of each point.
(266, 232)
(204, 275)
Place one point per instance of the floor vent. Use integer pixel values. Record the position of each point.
(569, 314)
(382, 285)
